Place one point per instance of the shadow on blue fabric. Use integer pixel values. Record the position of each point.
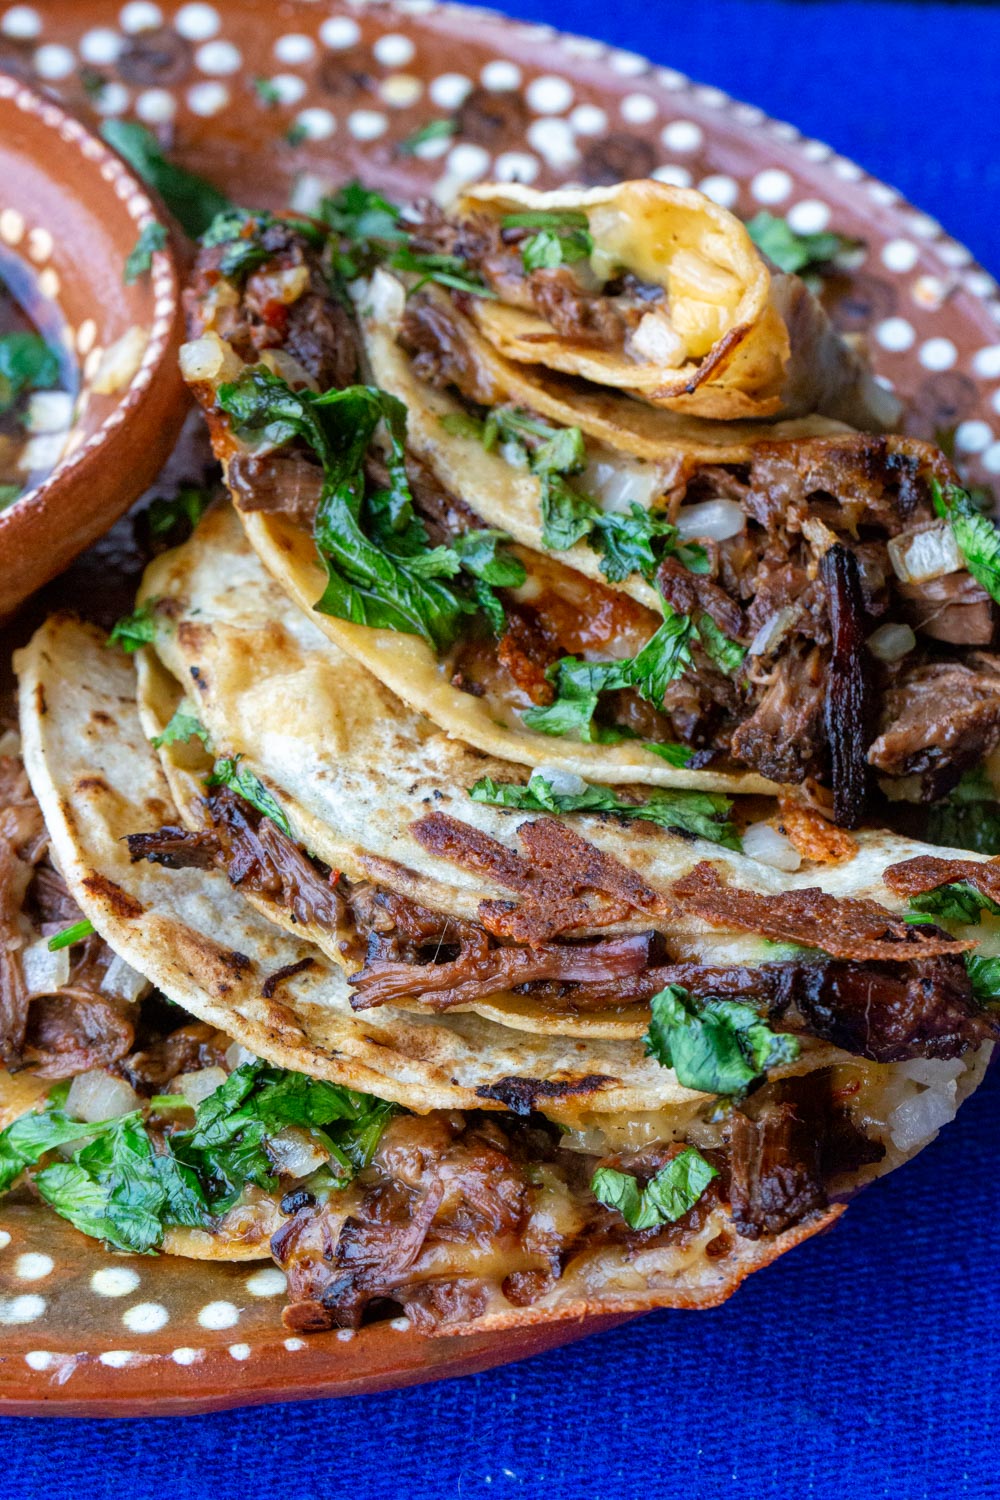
(866, 1363)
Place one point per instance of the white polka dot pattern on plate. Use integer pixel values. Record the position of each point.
(991, 459)
(268, 1282)
(339, 32)
(186, 1356)
(516, 166)
(549, 94)
(140, 15)
(27, 1308)
(197, 22)
(207, 99)
(673, 174)
(21, 22)
(100, 46)
(938, 354)
(367, 124)
(450, 90)
(146, 1317)
(501, 75)
(589, 119)
(773, 185)
(809, 217)
(116, 1359)
(33, 1266)
(219, 58)
(319, 124)
(900, 255)
(240, 1351)
(393, 50)
(682, 135)
(639, 109)
(896, 335)
(4, 1239)
(295, 48)
(986, 362)
(219, 1315)
(554, 140)
(292, 1345)
(721, 189)
(115, 1281)
(973, 436)
(156, 106)
(53, 62)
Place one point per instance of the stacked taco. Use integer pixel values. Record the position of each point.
(469, 869)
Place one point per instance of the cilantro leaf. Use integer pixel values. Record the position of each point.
(27, 1139)
(984, 972)
(70, 935)
(726, 654)
(242, 232)
(791, 251)
(674, 1190)
(968, 818)
(713, 1045)
(550, 248)
(240, 779)
(9, 493)
(152, 237)
(702, 814)
(193, 202)
(381, 569)
(27, 363)
(445, 270)
(977, 537)
(958, 902)
(434, 130)
(173, 518)
(183, 725)
(137, 629)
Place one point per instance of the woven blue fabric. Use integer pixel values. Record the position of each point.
(865, 1364)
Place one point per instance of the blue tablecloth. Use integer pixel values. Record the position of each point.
(865, 1364)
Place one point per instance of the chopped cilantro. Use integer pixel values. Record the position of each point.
(137, 629)
(716, 1046)
(984, 972)
(381, 569)
(267, 92)
(9, 493)
(126, 1189)
(70, 935)
(27, 363)
(240, 779)
(579, 683)
(977, 537)
(674, 1190)
(184, 725)
(791, 251)
(446, 270)
(968, 818)
(958, 902)
(173, 518)
(702, 814)
(727, 655)
(193, 202)
(153, 236)
(550, 248)
(434, 130)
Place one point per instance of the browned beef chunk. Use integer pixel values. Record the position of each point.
(439, 353)
(954, 608)
(185, 1050)
(23, 843)
(783, 738)
(176, 848)
(787, 1141)
(891, 1012)
(283, 482)
(693, 594)
(574, 313)
(75, 1029)
(939, 720)
(847, 703)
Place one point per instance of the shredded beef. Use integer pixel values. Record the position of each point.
(843, 926)
(940, 717)
(891, 1012)
(439, 353)
(282, 482)
(693, 594)
(783, 738)
(187, 1049)
(786, 1142)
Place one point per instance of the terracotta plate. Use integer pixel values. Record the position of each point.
(272, 100)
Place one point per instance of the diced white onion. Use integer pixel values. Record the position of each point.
(237, 1055)
(385, 299)
(563, 783)
(711, 520)
(771, 632)
(294, 1153)
(933, 1072)
(97, 1095)
(919, 555)
(122, 980)
(619, 482)
(120, 362)
(209, 358)
(44, 972)
(308, 191)
(200, 1084)
(10, 744)
(49, 411)
(919, 1118)
(41, 452)
(285, 365)
(766, 844)
(891, 642)
(657, 340)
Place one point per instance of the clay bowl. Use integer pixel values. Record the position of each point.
(70, 213)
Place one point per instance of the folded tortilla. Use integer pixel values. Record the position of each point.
(730, 340)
